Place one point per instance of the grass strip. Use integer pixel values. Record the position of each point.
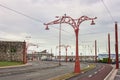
(8, 63)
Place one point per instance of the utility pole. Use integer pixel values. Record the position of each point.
(109, 58)
(59, 57)
(51, 54)
(116, 45)
(60, 44)
(75, 23)
(59, 36)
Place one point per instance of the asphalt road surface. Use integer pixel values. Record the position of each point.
(38, 71)
(98, 73)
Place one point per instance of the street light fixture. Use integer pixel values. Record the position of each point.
(75, 23)
(46, 27)
(93, 23)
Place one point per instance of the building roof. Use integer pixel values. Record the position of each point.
(44, 51)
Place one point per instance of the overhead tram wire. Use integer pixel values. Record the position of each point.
(41, 21)
(20, 13)
(32, 18)
(108, 11)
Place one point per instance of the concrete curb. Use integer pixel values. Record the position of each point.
(15, 66)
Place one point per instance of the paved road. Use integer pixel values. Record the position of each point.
(99, 73)
(38, 71)
(31, 67)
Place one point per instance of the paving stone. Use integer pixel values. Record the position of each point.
(118, 73)
(117, 77)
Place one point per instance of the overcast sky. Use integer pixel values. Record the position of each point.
(14, 26)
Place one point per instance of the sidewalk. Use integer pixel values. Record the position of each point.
(117, 76)
(112, 74)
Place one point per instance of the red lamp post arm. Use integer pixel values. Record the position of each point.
(65, 46)
(70, 21)
(83, 18)
(63, 19)
(53, 22)
(68, 46)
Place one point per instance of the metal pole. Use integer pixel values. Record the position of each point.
(32, 56)
(116, 46)
(95, 50)
(51, 54)
(24, 53)
(66, 55)
(60, 44)
(77, 63)
(109, 58)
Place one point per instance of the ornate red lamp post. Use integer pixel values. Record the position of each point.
(116, 46)
(75, 23)
(66, 48)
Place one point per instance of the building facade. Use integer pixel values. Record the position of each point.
(40, 55)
